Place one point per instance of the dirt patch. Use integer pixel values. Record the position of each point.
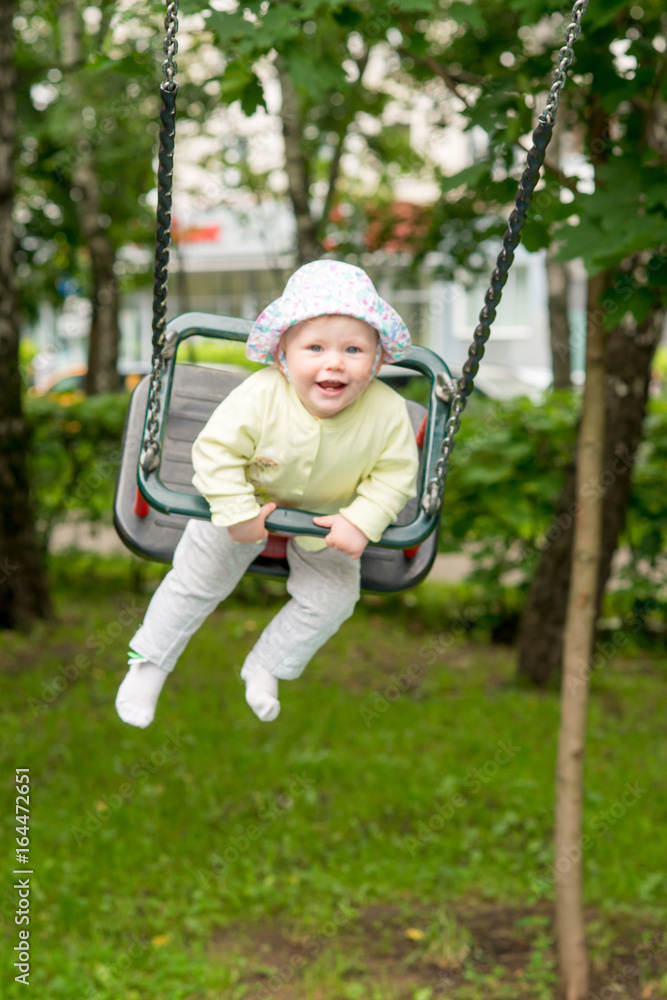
(22, 659)
(498, 949)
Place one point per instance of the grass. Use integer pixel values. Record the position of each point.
(388, 838)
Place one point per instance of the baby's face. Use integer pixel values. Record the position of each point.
(330, 360)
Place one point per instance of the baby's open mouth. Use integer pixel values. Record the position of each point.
(331, 384)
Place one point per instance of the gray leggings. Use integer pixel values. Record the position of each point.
(208, 564)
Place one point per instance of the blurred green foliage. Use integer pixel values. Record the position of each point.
(74, 455)
(505, 476)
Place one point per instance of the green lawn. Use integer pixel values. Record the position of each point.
(388, 837)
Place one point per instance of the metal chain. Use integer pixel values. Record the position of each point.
(170, 45)
(165, 173)
(433, 493)
(565, 57)
(432, 497)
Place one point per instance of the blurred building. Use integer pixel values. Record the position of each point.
(234, 263)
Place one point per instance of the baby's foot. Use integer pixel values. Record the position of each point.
(139, 691)
(261, 693)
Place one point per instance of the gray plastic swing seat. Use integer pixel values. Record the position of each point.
(190, 395)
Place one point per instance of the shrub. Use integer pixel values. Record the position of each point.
(505, 476)
(506, 473)
(74, 455)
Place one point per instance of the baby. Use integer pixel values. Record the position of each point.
(313, 430)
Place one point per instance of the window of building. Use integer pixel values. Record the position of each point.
(513, 319)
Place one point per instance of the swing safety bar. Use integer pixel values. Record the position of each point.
(283, 520)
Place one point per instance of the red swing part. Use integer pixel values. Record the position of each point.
(276, 547)
(141, 507)
(419, 438)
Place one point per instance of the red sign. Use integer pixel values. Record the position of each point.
(196, 234)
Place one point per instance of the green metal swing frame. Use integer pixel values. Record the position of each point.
(293, 521)
(447, 399)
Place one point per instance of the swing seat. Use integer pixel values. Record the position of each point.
(152, 508)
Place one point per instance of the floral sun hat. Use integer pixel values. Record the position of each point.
(325, 288)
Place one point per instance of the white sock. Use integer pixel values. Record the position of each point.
(261, 693)
(139, 691)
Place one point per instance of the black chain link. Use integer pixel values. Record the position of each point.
(433, 494)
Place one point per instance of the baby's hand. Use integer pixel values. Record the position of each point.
(344, 536)
(252, 530)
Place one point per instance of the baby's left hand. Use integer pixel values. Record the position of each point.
(344, 536)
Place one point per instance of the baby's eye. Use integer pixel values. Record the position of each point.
(314, 347)
(355, 350)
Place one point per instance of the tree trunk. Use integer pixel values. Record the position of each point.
(308, 246)
(345, 122)
(559, 323)
(558, 281)
(102, 373)
(104, 329)
(630, 350)
(578, 639)
(23, 588)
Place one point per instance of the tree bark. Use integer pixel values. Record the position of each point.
(24, 592)
(559, 323)
(334, 170)
(102, 373)
(334, 166)
(630, 351)
(579, 634)
(558, 280)
(308, 246)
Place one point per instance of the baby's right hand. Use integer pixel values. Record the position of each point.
(252, 530)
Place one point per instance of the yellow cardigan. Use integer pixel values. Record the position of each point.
(261, 444)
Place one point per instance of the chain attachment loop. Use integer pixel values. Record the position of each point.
(445, 387)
